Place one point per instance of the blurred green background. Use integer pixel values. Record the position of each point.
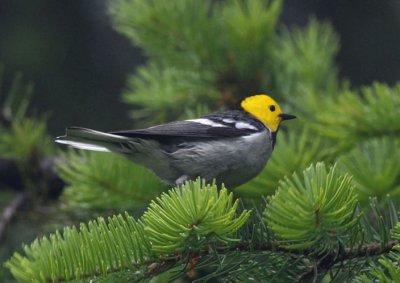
(79, 64)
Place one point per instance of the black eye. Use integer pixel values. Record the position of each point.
(272, 108)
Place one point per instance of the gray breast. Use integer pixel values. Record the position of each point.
(232, 161)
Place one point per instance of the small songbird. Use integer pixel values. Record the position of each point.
(230, 146)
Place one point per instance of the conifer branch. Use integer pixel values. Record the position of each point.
(122, 184)
(182, 220)
(380, 172)
(328, 261)
(370, 110)
(325, 264)
(314, 210)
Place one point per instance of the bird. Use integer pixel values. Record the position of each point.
(228, 147)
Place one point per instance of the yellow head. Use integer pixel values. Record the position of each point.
(265, 109)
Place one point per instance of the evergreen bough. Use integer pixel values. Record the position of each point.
(181, 220)
(93, 185)
(198, 228)
(315, 210)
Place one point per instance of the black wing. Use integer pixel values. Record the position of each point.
(215, 125)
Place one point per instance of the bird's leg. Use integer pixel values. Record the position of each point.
(181, 180)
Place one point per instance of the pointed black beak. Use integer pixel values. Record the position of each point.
(286, 116)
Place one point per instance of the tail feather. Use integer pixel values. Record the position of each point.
(92, 140)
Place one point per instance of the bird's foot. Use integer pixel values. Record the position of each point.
(181, 180)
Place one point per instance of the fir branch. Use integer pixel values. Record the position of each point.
(303, 62)
(188, 218)
(387, 268)
(150, 266)
(223, 52)
(370, 249)
(349, 117)
(375, 167)
(183, 220)
(96, 248)
(329, 260)
(18, 144)
(317, 210)
(158, 28)
(164, 93)
(104, 181)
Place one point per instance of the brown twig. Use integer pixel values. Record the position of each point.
(325, 264)
(9, 212)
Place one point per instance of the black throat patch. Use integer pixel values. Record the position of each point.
(273, 137)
